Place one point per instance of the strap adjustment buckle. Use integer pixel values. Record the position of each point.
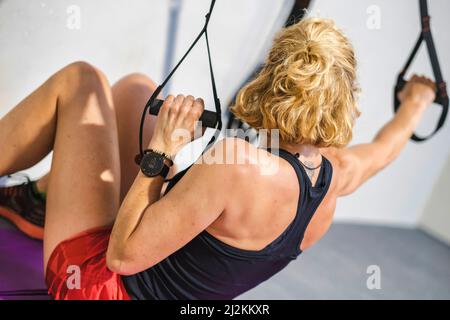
(426, 24)
(442, 89)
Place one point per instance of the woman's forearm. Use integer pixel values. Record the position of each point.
(395, 134)
(143, 192)
(176, 115)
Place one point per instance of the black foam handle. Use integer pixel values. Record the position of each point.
(208, 118)
(441, 99)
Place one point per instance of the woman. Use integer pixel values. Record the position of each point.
(221, 229)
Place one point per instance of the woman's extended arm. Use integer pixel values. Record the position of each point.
(147, 229)
(358, 163)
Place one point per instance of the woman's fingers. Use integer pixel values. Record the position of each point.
(164, 111)
(176, 123)
(197, 108)
(175, 108)
(419, 88)
(167, 102)
(424, 80)
(182, 112)
(185, 110)
(192, 118)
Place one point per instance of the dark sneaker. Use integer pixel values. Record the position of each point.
(21, 205)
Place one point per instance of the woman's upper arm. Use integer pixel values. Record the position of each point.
(195, 202)
(355, 165)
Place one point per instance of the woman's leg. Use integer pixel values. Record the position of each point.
(130, 95)
(72, 112)
(84, 184)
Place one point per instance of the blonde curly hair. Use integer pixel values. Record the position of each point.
(307, 87)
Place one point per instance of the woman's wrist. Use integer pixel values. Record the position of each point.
(416, 104)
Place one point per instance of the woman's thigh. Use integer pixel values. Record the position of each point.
(83, 190)
(130, 95)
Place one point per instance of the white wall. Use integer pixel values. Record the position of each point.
(122, 36)
(436, 215)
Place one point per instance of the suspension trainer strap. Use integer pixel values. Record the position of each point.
(441, 94)
(161, 86)
(216, 97)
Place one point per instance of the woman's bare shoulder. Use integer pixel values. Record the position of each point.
(239, 160)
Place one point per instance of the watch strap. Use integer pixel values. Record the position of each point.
(165, 171)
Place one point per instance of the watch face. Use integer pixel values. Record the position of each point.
(152, 164)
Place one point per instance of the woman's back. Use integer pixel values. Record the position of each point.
(255, 237)
(264, 204)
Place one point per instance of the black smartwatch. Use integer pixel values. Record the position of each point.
(153, 163)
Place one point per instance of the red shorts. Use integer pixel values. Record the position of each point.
(77, 269)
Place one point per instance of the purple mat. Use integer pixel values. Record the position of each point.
(21, 265)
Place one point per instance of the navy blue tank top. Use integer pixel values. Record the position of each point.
(207, 268)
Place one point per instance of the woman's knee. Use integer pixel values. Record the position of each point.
(136, 80)
(81, 78)
(133, 89)
(85, 94)
(131, 93)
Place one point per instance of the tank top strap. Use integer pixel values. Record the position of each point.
(309, 199)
